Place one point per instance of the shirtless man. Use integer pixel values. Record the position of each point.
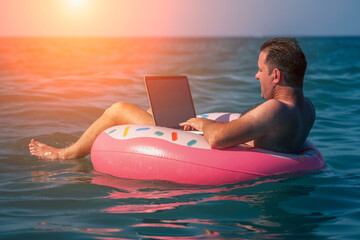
(284, 121)
(281, 124)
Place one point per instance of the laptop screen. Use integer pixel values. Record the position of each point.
(170, 100)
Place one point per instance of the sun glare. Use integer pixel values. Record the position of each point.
(76, 3)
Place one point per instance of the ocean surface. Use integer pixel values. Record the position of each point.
(53, 89)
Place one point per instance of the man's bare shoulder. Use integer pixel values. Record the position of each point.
(264, 115)
(274, 104)
(273, 114)
(270, 107)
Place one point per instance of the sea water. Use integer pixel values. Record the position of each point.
(52, 89)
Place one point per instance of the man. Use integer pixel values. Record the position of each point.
(281, 124)
(284, 121)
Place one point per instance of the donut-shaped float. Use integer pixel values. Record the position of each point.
(158, 153)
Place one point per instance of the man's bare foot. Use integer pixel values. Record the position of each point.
(44, 151)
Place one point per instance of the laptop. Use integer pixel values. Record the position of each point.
(170, 100)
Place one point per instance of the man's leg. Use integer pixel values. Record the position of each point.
(119, 113)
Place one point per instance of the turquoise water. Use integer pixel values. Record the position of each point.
(53, 89)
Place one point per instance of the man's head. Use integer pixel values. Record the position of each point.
(285, 55)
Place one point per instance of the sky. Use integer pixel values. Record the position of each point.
(179, 18)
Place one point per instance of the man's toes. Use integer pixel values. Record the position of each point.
(36, 143)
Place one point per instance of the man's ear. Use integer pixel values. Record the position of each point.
(277, 75)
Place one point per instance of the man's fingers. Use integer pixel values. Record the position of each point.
(187, 126)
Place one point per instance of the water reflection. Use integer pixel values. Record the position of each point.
(47, 226)
(163, 210)
(265, 196)
(163, 193)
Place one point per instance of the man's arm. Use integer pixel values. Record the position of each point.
(252, 126)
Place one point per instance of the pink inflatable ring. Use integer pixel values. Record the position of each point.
(157, 153)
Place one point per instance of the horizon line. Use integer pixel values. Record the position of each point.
(183, 36)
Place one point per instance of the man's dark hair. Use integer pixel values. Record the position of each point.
(286, 55)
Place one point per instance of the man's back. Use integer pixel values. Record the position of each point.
(288, 125)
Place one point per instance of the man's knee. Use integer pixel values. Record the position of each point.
(128, 113)
(117, 108)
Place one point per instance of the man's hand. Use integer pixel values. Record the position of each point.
(195, 123)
